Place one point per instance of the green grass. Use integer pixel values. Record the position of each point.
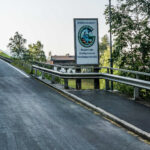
(4, 54)
(18, 65)
(102, 84)
(85, 83)
(72, 83)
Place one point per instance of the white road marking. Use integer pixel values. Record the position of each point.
(16, 69)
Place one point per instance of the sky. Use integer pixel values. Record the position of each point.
(49, 21)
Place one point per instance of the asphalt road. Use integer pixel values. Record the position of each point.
(35, 117)
(120, 106)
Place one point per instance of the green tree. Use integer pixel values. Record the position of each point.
(17, 45)
(104, 59)
(104, 43)
(26, 56)
(131, 31)
(36, 52)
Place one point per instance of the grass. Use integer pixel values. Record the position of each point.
(86, 84)
(4, 54)
(18, 65)
(72, 83)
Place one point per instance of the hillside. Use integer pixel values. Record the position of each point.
(4, 54)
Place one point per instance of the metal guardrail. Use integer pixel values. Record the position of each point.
(137, 83)
(6, 59)
(128, 71)
(121, 79)
(127, 80)
(67, 75)
(89, 67)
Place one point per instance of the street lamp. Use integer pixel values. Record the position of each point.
(111, 60)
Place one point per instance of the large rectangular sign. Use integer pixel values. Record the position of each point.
(86, 41)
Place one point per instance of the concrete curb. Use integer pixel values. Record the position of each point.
(119, 121)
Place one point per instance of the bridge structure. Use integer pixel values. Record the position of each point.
(40, 115)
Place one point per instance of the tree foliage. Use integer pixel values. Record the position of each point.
(33, 53)
(36, 52)
(17, 45)
(131, 31)
(104, 43)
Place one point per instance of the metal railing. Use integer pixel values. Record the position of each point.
(6, 59)
(135, 82)
(91, 67)
(128, 71)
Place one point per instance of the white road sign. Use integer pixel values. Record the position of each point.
(86, 41)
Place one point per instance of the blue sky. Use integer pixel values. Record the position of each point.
(50, 21)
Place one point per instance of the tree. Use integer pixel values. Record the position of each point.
(104, 43)
(36, 52)
(131, 31)
(17, 45)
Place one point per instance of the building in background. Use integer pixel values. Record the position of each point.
(61, 59)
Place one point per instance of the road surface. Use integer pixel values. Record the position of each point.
(118, 105)
(36, 117)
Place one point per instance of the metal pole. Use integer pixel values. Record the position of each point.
(111, 60)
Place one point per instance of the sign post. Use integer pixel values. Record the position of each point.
(86, 44)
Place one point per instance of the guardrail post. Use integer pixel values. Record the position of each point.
(43, 75)
(136, 90)
(107, 82)
(96, 81)
(66, 83)
(59, 68)
(78, 81)
(31, 70)
(53, 79)
(36, 72)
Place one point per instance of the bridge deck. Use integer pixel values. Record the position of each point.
(35, 117)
